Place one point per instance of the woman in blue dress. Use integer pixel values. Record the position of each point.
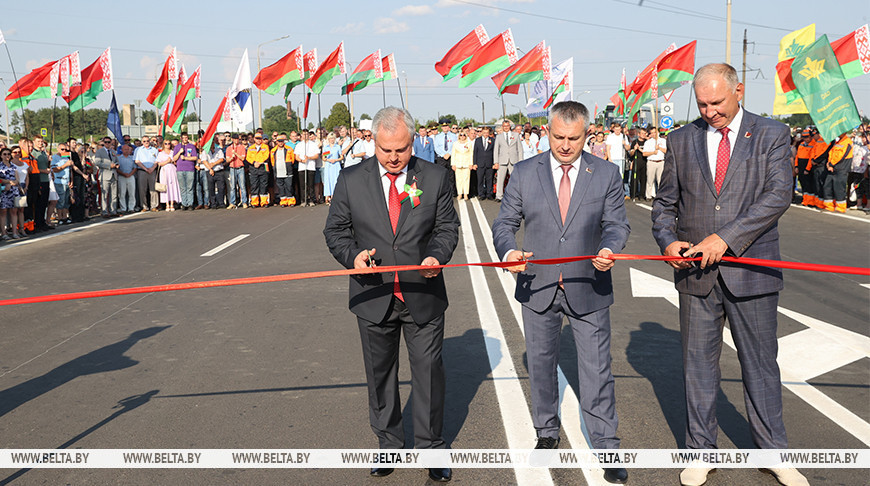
(331, 165)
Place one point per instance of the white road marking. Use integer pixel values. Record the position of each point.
(866, 286)
(511, 401)
(829, 213)
(56, 233)
(572, 420)
(645, 206)
(214, 251)
(802, 355)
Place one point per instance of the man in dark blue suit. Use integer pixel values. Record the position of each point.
(369, 223)
(483, 163)
(569, 203)
(727, 180)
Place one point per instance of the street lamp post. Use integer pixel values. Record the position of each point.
(482, 110)
(259, 91)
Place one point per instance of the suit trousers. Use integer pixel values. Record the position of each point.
(217, 189)
(752, 321)
(380, 345)
(484, 182)
(145, 183)
(592, 339)
(503, 171)
(109, 195)
(653, 176)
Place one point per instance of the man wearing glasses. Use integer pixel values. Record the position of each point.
(282, 158)
(107, 161)
(258, 171)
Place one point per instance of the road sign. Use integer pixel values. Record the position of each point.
(667, 122)
(43, 132)
(666, 109)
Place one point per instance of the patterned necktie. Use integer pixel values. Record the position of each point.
(722, 157)
(395, 206)
(445, 142)
(564, 191)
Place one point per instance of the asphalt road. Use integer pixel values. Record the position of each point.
(278, 365)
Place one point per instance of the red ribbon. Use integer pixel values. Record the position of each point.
(812, 267)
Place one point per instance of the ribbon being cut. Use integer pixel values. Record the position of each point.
(811, 267)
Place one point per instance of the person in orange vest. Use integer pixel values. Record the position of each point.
(818, 172)
(282, 159)
(803, 165)
(258, 171)
(838, 165)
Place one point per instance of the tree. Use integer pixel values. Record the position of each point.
(192, 117)
(275, 120)
(365, 116)
(339, 115)
(467, 122)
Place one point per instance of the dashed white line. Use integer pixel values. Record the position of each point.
(214, 251)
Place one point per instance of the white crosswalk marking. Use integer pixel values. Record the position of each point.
(802, 355)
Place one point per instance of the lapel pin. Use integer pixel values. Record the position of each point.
(589, 170)
(747, 135)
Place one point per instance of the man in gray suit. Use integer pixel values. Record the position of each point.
(727, 179)
(107, 160)
(570, 203)
(508, 151)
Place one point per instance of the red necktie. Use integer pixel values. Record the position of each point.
(395, 207)
(722, 158)
(564, 191)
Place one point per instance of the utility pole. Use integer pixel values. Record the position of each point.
(728, 32)
(744, 67)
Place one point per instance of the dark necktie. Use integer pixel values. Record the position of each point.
(395, 206)
(445, 142)
(722, 157)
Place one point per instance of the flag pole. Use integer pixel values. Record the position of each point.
(53, 110)
(17, 88)
(401, 97)
(347, 94)
(384, 92)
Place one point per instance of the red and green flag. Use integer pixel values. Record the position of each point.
(186, 92)
(819, 80)
(208, 137)
(677, 68)
(458, 56)
(497, 54)
(309, 63)
(35, 85)
(70, 73)
(853, 52)
(330, 67)
(369, 68)
(162, 90)
(287, 70)
(618, 99)
(96, 78)
(534, 66)
(388, 68)
(560, 88)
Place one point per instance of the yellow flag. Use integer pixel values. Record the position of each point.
(789, 46)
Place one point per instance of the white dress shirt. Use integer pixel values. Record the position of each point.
(714, 137)
(385, 182)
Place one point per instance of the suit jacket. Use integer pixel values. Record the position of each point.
(104, 159)
(483, 158)
(507, 152)
(596, 219)
(756, 191)
(359, 219)
(425, 152)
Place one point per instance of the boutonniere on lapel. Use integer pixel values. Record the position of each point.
(747, 135)
(411, 193)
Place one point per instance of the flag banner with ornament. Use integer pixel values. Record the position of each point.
(819, 80)
(458, 56)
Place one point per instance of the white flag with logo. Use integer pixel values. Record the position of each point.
(542, 90)
(241, 106)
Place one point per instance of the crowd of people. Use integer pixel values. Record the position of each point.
(42, 190)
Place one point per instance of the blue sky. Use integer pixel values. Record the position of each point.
(603, 37)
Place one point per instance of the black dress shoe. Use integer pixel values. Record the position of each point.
(379, 472)
(440, 474)
(547, 443)
(615, 475)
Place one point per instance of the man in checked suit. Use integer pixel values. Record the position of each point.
(570, 203)
(727, 180)
(508, 151)
(369, 224)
